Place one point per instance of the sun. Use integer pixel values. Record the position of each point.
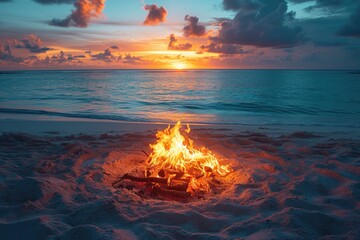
(179, 66)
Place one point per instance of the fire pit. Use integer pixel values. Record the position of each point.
(177, 168)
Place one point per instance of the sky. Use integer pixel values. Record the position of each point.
(179, 34)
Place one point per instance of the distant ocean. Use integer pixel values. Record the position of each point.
(255, 97)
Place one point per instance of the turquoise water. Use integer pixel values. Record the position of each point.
(284, 97)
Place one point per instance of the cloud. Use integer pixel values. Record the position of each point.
(48, 2)
(349, 29)
(56, 59)
(192, 28)
(227, 49)
(181, 47)
(105, 56)
(32, 43)
(239, 4)
(75, 57)
(108, 57)
(84, 11)
(218, 20)
(156, 14)
(260, 23)
(61, 58)
(6, 55)
(129, 59)
(114, 47)
(329, 5)
(352, 28)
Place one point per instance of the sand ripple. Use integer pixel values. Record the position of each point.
(295, 186)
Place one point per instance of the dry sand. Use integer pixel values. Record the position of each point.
(288, 184)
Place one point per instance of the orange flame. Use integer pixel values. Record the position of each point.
(176, 156)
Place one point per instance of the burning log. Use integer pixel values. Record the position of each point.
(140, 179)
(174, 184)
(172, 193)
(176, 167)
(174, 155)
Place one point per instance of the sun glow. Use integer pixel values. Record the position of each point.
(180, 66)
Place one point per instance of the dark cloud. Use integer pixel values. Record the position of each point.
(114, 47)
(106, 56)
(61, 58)
(192, 28)
(264, 24)
(57, 59)
(48, 2)
(240, 4)
(129, 59)
(328, 43)
(352, 28)
(156, 14)
(181, 47)
(7, 56)
(75, 57)
(219, 20)
(329, 5)
(84, 11)
(227, 49)
(32, 43)
(322, 29)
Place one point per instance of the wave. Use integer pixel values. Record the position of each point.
(249, 107)
(69, 115)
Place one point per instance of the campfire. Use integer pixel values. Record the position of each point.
(176, 167)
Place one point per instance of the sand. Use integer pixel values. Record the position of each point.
(56, 183)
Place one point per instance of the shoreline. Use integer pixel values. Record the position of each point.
(85, 126)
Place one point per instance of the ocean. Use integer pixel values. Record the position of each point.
(239, 97)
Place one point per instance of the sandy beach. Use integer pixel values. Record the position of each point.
(285, 184)
(180, 120)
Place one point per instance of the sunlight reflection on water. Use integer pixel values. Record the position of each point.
(216, 96)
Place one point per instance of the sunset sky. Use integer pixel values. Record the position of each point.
(176, 34)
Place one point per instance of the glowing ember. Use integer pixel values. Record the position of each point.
(175, 157)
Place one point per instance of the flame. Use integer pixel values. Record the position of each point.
(176, 156)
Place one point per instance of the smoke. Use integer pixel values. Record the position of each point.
(84, 11)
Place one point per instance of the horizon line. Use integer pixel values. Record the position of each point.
(180, 70)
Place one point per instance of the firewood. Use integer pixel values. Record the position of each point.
(178, 185)
(151, 180)
(162, 173)
(139, 179)
(172, 193)
(145, 153)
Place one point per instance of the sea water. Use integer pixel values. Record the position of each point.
(254, 97)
